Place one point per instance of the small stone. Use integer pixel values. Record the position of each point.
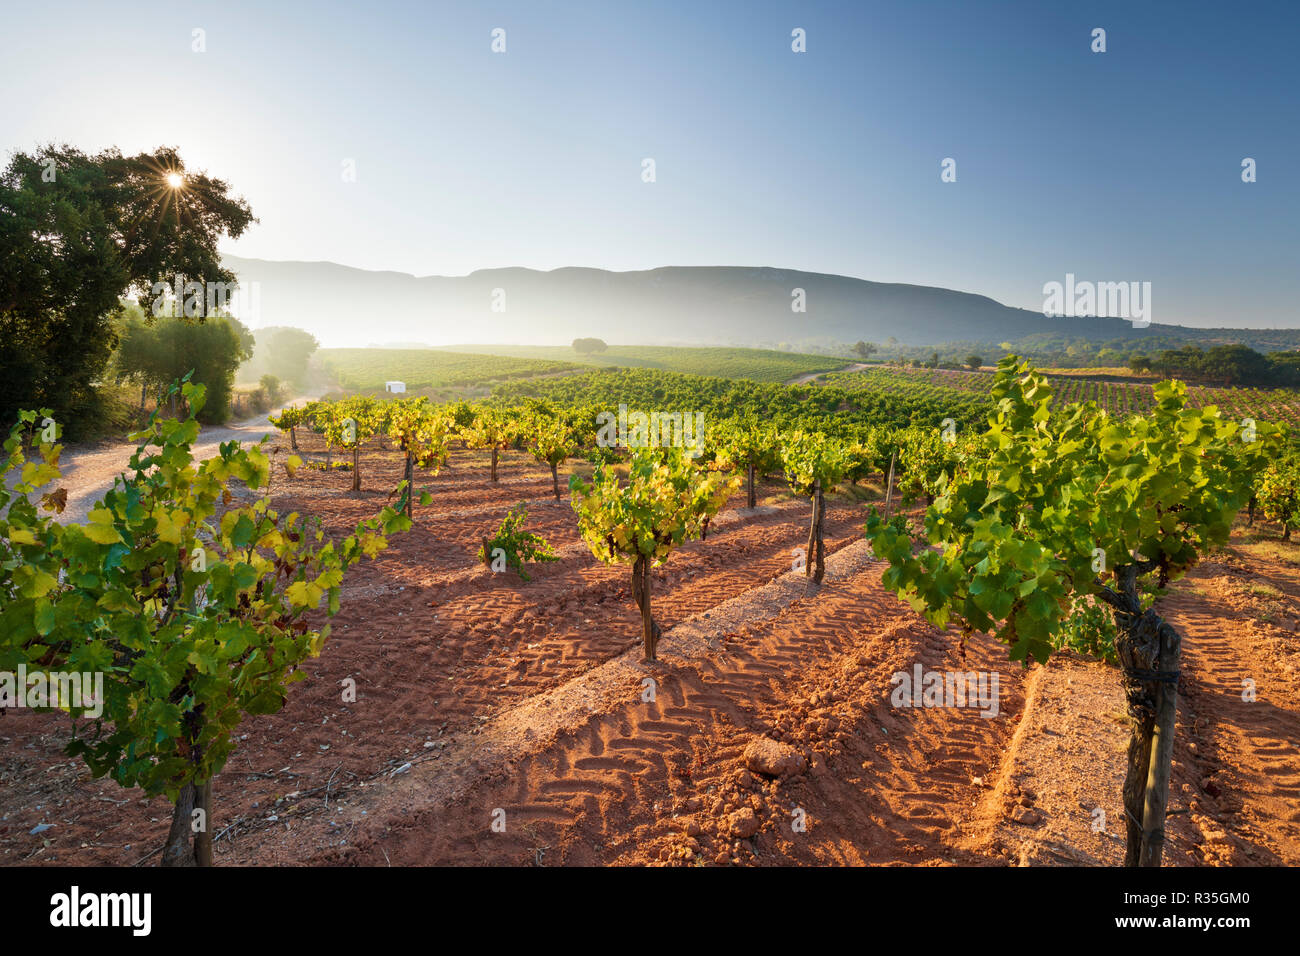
(773, 758)
(744, 823)
(1026, 816)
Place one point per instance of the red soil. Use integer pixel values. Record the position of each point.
(477, 692)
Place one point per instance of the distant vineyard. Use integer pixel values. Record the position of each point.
(757, 365)
(364, 369)
(821, 408)
(1118, 398)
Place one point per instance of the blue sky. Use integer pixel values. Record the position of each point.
(1123, 165)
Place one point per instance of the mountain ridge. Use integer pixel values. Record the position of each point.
(345, 306)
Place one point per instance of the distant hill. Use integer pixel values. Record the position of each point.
(674, 305)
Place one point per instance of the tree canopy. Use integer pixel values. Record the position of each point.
(80, 231)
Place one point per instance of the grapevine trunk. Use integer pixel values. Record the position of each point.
(650, 630)
(1149, 651)
(179, 850)
(410, 483)
(815, 566)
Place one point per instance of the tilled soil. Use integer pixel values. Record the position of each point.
(504, 722)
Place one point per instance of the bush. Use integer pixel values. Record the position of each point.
(270, 385)
(517, 545)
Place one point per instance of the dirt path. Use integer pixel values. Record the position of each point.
(89, 471)
(803, 379)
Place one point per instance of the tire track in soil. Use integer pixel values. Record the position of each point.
(1237, 772)
(469, 647)
(434, 676)
(640, 782)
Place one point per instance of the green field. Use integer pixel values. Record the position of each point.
(367, 369)
(1117, 397)
(757, 365)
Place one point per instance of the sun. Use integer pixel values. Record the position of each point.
(174, 180)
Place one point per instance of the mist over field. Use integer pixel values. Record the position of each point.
(675, 305)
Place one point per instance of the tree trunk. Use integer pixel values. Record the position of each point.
(179, 848)
(144, 392)
(1250, 511)
(750, 499)
(555, 481)
(356, 467)
(293, 438)
(1286, 531)
(494, 463)
(650, 631)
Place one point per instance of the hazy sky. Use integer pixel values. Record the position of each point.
(1123, 165)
